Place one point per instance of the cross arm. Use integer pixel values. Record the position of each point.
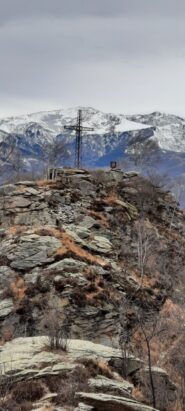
(70, 128)
(87, 129)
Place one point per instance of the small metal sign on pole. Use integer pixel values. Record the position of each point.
(113, 165)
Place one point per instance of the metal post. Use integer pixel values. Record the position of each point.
(78, 144)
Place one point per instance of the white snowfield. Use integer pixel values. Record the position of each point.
(169, 130)
(54, 121)
(171, 137)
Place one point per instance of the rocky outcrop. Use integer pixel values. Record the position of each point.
(164, 387)
(26, 355)
(101, 402)
(70, 247)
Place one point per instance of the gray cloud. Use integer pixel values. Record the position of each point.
(16, 9)
(121, 55)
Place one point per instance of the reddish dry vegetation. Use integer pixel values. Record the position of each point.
(69, 248)
(18, 289)
(100, 217)
(16, 229)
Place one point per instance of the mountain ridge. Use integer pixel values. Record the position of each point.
(111, 139)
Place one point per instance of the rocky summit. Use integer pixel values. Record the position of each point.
(92, 294)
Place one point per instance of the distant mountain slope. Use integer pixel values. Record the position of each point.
(112, 136)
(54, 121)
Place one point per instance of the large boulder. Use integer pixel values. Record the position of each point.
(165, 389)
(32, 251)
(29, 357)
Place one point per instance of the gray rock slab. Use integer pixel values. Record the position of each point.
(28, 357)
(84, 407)
(123, 388)
(67, 264)
(129, 190)
(19, 202)
(99, 244)
(87, 222)
(33, 251)
(6, 275)
(26, 183)
(103, 402)
(6, 307)
(28, 353)
(32, 191)
(7, 189)
(35, 217)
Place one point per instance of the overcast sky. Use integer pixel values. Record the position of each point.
(122, 56)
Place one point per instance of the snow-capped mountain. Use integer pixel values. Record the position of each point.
(111, 138)
(169, 130)
(54, 121)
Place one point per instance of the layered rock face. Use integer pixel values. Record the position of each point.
(91, 275)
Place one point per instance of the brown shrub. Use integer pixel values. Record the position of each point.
(11, 405)
(91, 288)
(7, 333)
(100, 176)
(96, 367)
(101, 218)
(67, 385)
(57, 326)
(27, 391)
(90, 274)
(78, 297)
(60, 285)
(75, 196)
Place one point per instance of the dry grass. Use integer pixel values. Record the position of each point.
(48, 231)
(18, 289)
(17, 229)
(45, 183)
(147, 282)
(67, 385)
(96, 367)
(98, 292)
(27, 391)
(111, 199)
(69, 247)
(102, 220)
(7, 334)
(137, 394)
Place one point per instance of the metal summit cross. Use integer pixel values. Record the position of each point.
(78, 144)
